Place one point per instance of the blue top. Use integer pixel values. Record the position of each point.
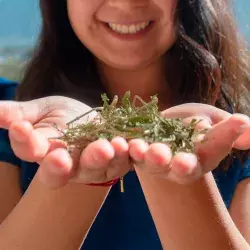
(124, 222)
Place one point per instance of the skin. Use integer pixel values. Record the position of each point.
(60, 177)
(87, 21)
(122, 62)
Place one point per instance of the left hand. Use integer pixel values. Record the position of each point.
(225, 131)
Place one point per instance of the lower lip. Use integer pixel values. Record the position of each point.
(129, 36)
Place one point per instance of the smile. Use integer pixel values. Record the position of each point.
(129, 29)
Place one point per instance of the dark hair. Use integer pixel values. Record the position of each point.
(214, 61)
(60, 63)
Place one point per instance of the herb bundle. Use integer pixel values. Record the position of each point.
(125, 119)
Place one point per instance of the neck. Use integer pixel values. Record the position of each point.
(144, 82)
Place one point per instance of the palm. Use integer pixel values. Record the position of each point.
(31, 123)
(56, 110)
(225, 131)
(30, 126)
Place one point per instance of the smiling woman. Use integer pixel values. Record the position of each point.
(89, 23)
(190, 54)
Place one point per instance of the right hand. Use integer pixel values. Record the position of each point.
(30, 126)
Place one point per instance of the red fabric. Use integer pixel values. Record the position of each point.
(104, 184)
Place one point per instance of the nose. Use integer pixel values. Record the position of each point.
(128, 4)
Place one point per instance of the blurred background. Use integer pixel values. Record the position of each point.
(19, 28)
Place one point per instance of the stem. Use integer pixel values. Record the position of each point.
(79, 117)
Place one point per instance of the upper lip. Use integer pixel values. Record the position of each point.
(128, 22)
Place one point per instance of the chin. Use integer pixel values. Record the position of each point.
(130, 66)
(130, 63)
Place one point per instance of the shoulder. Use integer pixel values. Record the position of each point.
(228, 180)
(240, 205)
(28, 170)
(7, 92)
(7, 89)
(6, 81)
(245, 170)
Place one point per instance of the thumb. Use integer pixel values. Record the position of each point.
(13, 111)
(196, 109)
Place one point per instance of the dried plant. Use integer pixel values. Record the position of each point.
(126, 119)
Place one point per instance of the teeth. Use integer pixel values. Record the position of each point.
(128, 29)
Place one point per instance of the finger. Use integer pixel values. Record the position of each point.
(34, 110)
(94, 161)
(201, 122)
(219, 140)
(13, 111)
(137, 150)
(55, 169)
(243, 142)
(121, 164)
(185, 168)
(157, 158)
(97, 155)
(28, 144)
(191, 109)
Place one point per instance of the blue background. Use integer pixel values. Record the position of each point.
(20, 19)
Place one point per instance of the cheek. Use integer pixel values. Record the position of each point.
(121, 53)
(81, 17)
(168, 27)
(168, 9)
(171, 20)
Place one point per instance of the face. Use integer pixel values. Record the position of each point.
(125, 34)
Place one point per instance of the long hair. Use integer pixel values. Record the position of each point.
(213, 59)
(60, 64)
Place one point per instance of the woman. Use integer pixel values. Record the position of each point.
(186, 51)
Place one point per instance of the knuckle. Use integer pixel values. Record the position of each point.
(7, 111)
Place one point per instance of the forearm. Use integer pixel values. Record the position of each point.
(190, 216)
(52, 219)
